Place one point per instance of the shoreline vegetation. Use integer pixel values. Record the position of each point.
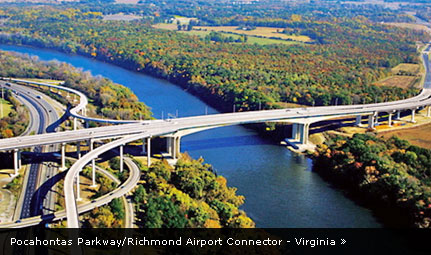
(390, 176)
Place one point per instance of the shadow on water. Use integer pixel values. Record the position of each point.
(225, 142)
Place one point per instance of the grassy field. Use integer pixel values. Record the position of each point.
(399, 81)
(121, 16)
(203, 33)
(53, 82)
(407, 68)
(411, 26)
(259, 31)
(404, 76)
(418, 136)
(7, 107)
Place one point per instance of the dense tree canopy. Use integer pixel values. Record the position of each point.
(347, 56)
(390, 171)
(188, 195)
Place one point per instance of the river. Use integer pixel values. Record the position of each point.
(280, 188)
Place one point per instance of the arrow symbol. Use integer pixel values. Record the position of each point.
(343, 241)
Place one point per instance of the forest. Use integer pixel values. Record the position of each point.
(189, 194)
(386, 173)
(17, 120)
(347, 56)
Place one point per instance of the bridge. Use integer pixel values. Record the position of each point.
(173, 129)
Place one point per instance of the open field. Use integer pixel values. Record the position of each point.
(121, 16)
(54, 82)
(7, 107)
(167, 26)
(418, 136)
(404, 76)
(259, 31)
(203, 33)
(406, 68)
(411, 26)
(399, 81)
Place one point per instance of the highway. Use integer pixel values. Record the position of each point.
(42, 113)
(123, 189)
(135, 130)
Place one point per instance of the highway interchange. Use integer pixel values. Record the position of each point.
(135, 130)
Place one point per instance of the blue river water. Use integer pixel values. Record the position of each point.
(280, 188)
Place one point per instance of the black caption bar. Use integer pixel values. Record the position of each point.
(214, 241)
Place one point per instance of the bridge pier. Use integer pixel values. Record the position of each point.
(429, 111)
(63, 157)
(390, 119)
(304, 133)
(93, 166)
(173, 144)
(143, 152)
(300, 132)
(78, 150)
(177, 146)
(121, 158)
(358, 120)
(149, 151)
(294, 131)
(412, 120)
(398, 115)
(75, 124)
(78, 189)
(16, 164)
(371, 121)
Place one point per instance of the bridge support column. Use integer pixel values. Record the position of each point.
(148, 151)
(376, 122)
(169, 145)
(371, 121)
(390, 120)
(358, 120)
(63, 156)
(15, 161)
(429, 111)
(19, 160)
(412, 120)
(78, 189)
(93, 166)
(143, 147)
(78, 149)
(295, 131)
(75, 124)
(177, 150)
(304, 130)
(398, 115)
(121, 158)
